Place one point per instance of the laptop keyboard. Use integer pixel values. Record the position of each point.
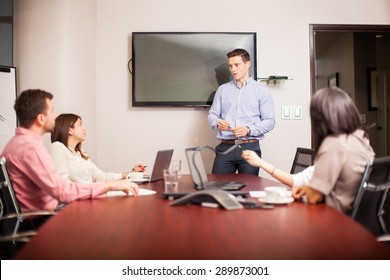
(223, 185)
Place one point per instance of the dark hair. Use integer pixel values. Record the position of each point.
(30, 104)
(61, 131)
(333, 112)
(239, 52)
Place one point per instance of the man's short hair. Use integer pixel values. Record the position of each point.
(240, 52)
(29, 104)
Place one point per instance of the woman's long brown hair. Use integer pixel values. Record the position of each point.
(61, 131)
(333, 112)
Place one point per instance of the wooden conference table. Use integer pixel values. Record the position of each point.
(146, 227)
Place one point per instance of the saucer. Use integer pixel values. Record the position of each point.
(140, 181)
(263, 194)
(279, 201)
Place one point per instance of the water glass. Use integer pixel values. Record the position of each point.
(176, 165)
(171, 180)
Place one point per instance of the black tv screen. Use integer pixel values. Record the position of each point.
(184, 68)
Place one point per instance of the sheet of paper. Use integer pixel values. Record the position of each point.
(257, 193)
(142, 191)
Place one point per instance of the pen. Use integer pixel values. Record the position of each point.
(142, 168)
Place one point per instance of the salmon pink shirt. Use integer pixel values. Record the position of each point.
(36, 183)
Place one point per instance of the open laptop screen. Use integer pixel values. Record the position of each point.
(199, 175)
(163, 160)
(196, 165)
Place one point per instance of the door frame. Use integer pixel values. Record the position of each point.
(332, 28)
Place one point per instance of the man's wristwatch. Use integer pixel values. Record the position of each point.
(249, 131)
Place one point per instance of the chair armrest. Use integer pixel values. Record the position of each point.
(39, 213)
(18, 237)
(383, 238)
(28, 214)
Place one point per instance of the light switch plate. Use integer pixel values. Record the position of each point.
(362, 118)
(297, 112)
(286, 112)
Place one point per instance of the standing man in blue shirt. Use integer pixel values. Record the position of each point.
(242, 112)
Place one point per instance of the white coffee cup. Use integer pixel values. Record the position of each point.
(135, 176)
(275, 193)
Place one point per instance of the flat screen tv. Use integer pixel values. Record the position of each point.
(184, 68)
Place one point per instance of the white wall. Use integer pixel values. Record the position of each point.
(55, 50)
(79, 50)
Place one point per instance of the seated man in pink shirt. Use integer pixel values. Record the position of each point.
(36, 183)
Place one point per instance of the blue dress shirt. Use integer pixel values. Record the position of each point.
(251, 105)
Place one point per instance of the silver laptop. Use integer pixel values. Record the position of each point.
(199, 175)
(162, 161)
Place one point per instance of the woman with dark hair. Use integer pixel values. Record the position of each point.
(343, 151)
(70, 160)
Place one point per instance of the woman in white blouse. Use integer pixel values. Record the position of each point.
(70, 160)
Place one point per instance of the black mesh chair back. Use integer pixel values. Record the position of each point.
(1, 205)
(371, 195)
(16, 228)
(8, 199)
(12, 219)
(304, 157)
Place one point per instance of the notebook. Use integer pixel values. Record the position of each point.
(199, 175)
(162, 161)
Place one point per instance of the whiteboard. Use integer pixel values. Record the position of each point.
(8, 120)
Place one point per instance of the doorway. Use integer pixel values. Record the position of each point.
(357, 59)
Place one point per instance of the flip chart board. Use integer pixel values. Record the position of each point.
(8, 120)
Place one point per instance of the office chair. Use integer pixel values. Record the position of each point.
(12, 220)
(367, 208)
(304, 157)
(10, 244)
(16, 228)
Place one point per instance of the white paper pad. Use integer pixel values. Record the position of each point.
(141, 191)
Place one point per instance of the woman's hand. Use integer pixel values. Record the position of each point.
(299, 192)
(252, 158)
(312, 196)
(139, 168)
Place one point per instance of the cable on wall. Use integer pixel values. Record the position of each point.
(128, 66)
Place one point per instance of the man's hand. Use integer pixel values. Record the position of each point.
(240, 131)
(223, 125)
(122, 185)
